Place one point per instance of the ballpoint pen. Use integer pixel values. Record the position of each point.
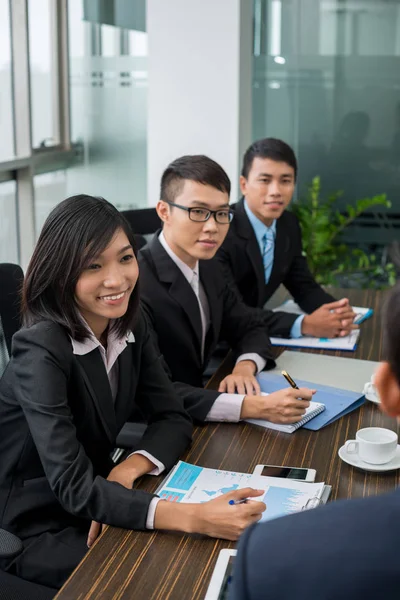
(290, 381)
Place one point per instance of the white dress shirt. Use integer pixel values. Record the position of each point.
(227, 407)
(115, 345)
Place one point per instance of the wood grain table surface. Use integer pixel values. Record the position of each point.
(168, 566)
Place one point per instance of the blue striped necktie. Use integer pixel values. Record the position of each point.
(268, 240)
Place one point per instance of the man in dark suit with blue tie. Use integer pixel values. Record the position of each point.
(263, 248)
(347, 550)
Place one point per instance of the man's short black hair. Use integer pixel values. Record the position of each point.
(199, 168)
(392, 330)
(271, 148)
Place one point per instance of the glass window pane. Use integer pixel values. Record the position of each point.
(42, 58)
(333, 94)
(108, 111)
(8, 223)
(109, 40)
(6, 113)
(49, 189)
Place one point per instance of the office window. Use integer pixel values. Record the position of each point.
(108, 78)
(8, 223)
(109, 40)
(43, 72)
(6, 113)
(50, 189)
(326, 80)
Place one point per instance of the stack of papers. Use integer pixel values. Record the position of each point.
(348, 342)
(190, 483)
(351, 373)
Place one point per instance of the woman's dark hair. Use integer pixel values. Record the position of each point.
(391, 330)
(271, 148)
(196, 167)
(76, 231)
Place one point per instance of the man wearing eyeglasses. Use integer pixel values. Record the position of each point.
(191, 307)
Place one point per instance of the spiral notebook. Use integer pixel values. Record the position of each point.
(312, 411)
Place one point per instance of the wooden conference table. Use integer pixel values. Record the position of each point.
(160, 565)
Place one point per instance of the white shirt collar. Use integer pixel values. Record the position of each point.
(183, 267)
(91, 342)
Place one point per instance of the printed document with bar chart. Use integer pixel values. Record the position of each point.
(191, 483)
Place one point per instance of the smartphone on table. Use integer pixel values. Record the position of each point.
(294, 473)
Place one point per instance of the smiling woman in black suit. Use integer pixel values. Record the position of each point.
(81, 367)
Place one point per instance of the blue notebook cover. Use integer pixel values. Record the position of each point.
(337, 402)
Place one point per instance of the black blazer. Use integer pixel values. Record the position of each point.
(174, 312)
(241, 260)
(346, 550)
(58, 425)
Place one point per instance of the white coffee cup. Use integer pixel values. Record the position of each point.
(373, 445)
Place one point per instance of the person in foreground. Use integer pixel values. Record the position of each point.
(263, 248)
(83, 364)
(191, 307)
(346, 550)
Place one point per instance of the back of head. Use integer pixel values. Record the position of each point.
(76, 231)
(272, 148)
(392, 331)
(198, 168)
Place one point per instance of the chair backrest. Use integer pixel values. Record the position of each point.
(11, 278)
(14, 588)
(143, 220)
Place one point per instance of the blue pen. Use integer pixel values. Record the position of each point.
(232, 502)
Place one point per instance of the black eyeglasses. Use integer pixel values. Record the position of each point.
(223, 216)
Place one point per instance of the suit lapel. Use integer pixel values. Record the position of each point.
(245, 230)
(179, 288)
(96, 380)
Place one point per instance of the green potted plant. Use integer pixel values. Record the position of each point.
(331, 260)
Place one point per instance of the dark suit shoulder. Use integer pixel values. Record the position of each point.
(141, 327)
(144, 254)
(288, 219)
(46, 334)
(349, 529)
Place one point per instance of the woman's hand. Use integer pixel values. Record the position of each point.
(285, 406)
(216, 518)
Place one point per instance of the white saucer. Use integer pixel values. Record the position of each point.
(355, 461)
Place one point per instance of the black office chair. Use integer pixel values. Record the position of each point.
(12, 587)
(143, 222)
(11, 278)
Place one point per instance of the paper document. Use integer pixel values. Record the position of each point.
(346, 343)
(350, 373)
(190, 483)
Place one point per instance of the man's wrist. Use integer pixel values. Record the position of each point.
(249, 408)
(245, 367)
(307, 327)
